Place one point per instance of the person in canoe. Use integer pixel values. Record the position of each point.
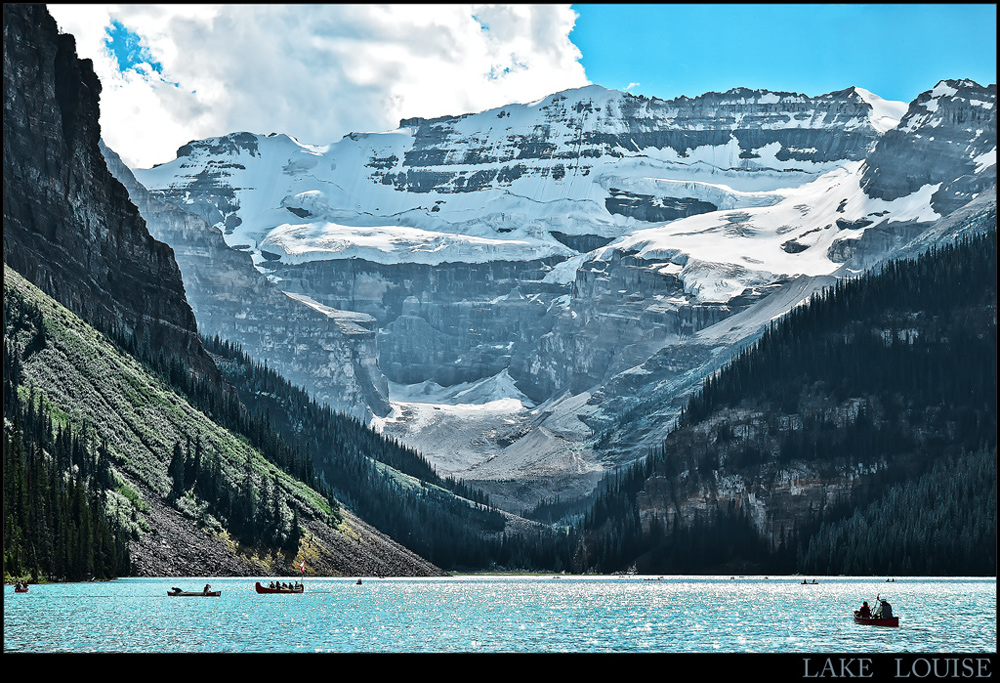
(208, 588)
(865, 612)
(884, 610)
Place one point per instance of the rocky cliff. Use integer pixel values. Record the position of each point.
(570, 133)
(331, 352)
(69, 226)
(947, 139)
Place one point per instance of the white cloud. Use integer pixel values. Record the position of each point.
(316, 72)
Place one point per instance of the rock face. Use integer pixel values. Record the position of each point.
(540, 275)
(571, 132)
(947, 138)
(69, 226)
(330, 352)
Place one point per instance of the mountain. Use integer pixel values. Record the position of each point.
(538, 274)
(947, 138)
(127, 448)
(69, 227)
(333, 352)
(700, 297)
(857, 436)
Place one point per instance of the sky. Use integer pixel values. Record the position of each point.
(175, 73)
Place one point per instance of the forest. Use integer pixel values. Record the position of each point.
(54, 525)
(390, 486)
(893, 372)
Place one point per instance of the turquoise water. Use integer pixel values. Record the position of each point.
(504, 614)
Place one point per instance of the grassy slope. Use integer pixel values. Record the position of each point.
(88, 381)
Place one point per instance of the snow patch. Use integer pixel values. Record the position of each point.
(984, 161)
(349, 321)
(496, 392)
(886, 114)
(737, 250)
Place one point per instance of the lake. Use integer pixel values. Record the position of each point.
(503, 614)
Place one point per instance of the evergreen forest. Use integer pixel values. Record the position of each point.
(56, 523)
(888, 379)
(390, 485)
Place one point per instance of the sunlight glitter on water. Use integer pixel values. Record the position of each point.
(503, 614)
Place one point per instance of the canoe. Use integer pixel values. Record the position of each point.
(872, 621)
(264, 589)
(21, 590)
(179, 593)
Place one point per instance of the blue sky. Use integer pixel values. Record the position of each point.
(895, 51)
(176, 73)
(128, 49)
(666, 50)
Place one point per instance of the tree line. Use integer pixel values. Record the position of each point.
(894, 370)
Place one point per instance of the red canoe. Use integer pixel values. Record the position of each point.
(21, 590)
(894, 621)
(264, 589)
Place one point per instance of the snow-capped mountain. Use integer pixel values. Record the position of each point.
(946, 140)
(334, 350)
(498, 184)
(567, 260)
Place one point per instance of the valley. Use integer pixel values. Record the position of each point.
(592, 333)
(575, 258)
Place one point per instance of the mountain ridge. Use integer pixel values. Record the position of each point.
(569, 241)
